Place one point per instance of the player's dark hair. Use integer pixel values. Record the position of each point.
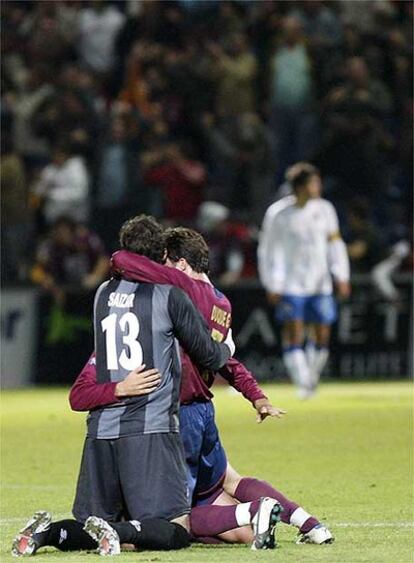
(186, 243)
(300, 173)
(143, 235)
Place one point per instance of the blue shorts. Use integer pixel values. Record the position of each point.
(315, 309)
(205, 456)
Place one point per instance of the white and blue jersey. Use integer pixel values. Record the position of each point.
(295, 261)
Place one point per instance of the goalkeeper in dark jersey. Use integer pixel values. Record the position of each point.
(133, 465)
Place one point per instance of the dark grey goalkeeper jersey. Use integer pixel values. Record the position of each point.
(137, 323)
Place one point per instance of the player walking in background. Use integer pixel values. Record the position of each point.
(300, 251)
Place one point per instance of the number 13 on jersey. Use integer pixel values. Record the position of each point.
(127, 328)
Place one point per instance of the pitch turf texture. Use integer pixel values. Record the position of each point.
(346, 456)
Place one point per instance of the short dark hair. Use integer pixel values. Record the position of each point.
(300, 173)
(143, 235)
(182, 242)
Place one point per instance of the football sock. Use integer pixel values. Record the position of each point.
(66, 535)
(250, 488)
(156, 533)
(321, 357)
(297, 366)
(213, 520)
(152, 533)
(310, 350)
(316, 357)
(303, 520)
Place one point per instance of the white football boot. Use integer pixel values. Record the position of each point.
(28, 541)
(264, 523)
(104, 534)
(318, 535)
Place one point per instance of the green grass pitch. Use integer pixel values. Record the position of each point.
(346, 456)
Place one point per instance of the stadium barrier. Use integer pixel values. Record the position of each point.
(49, 344)
(19, 321)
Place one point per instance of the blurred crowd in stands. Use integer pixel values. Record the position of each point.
(192, 111)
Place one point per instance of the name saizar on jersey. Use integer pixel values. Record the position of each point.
(121, 300)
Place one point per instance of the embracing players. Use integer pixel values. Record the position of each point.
(213, 482)
(136, 322)
(132, 464)
(204, 454)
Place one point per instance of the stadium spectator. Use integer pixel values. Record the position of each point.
(25, 100)
(16, 220)
(48, 35)
(365, 15)
(240, 161)
(356, 146)
(70, 255)
(364, 243)
(321, 24)
(292, 97)
(234, 69)
(231, 244)
(231, 20)
(361, 91)
(221, 157)
(84, 85)
(189, 88)
(68, 114)
(99, 24)
(323, 30)
(181, 178)
(403, 178)
(118, 181)
(63, 187)
(136, 90)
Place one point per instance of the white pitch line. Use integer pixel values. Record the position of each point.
(23, 519)
(372, 525)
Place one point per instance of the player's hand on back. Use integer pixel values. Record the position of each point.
(138, 382)
(264, 409)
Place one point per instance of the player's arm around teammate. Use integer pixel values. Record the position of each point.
(86, 393)
(182, 275)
